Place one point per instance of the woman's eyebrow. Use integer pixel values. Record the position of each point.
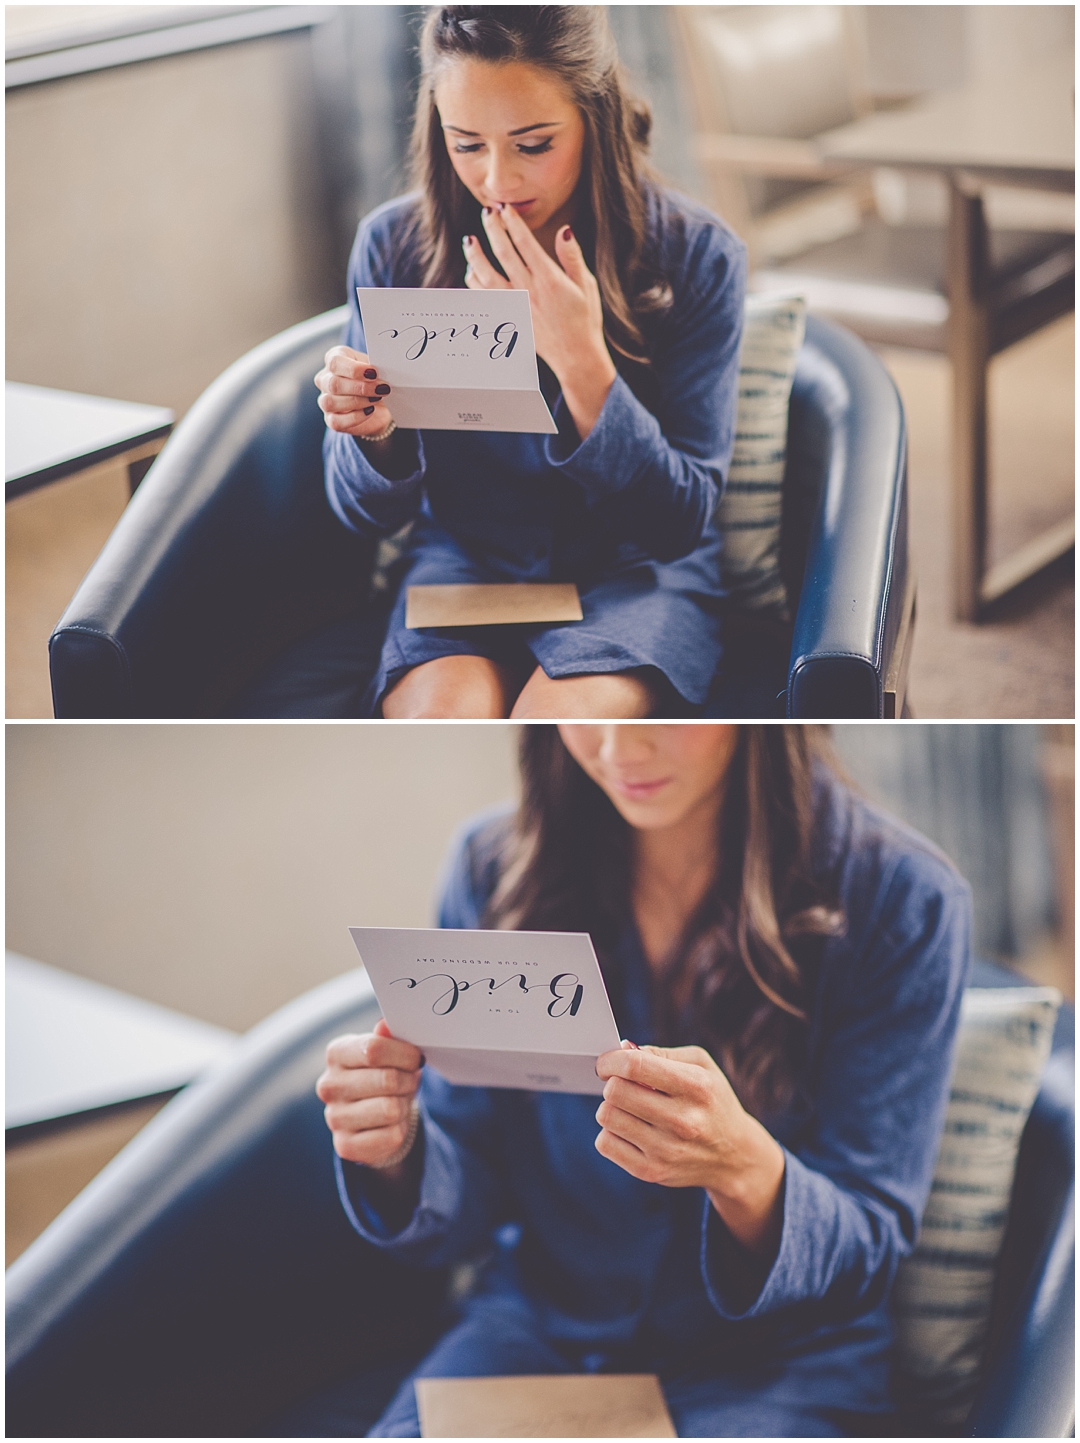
(523, 130)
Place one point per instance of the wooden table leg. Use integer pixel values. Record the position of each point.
(969, 352)
(139, 461)
(977, 586)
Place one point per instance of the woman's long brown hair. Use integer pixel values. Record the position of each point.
(574, 43)
(736, 982)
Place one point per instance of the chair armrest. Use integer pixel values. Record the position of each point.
(227, 553)
(1027, 1387)
(854, 583)
(208, 1277)
(769, 156)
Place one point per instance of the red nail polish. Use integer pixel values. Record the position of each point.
(368, 410)
(370, 375)
(568, 234)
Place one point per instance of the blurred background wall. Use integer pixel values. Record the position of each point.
(215, 869)
(998, 801)
(166, 215)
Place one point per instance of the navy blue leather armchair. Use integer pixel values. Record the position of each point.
(207, 1281)
(228, 587)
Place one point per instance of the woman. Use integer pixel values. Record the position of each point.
(529, 169)
(790, 962)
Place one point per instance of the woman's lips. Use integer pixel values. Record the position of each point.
(640, 791)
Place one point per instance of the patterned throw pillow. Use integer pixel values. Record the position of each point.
(943, 1291)
(749, 511)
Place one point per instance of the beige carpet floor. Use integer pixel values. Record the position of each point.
(1019, 664)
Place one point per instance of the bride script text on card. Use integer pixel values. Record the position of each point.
(494, 1009)
(456, 362)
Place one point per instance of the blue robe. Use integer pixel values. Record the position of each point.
(594, 1269)
(626, 514)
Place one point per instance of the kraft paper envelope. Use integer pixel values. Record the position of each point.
(594, 1405)
(456, 360)
(494, 1009)
(471, 605)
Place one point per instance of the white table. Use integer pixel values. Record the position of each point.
(51, 434)
(74, 1046)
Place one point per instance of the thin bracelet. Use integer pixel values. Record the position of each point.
(382, 435)
(407, 1146)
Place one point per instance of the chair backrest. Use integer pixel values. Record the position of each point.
(772, 71)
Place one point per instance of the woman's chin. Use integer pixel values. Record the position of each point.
(646, 815)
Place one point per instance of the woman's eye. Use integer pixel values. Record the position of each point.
(536, 149)
(460, 149)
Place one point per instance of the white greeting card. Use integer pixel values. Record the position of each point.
(456, 360)
(494, 1009)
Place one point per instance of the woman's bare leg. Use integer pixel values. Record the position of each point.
(452, 686)
(600, 694)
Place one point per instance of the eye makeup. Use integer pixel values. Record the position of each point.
(544, 146)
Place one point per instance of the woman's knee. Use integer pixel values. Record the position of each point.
(449, 687)
(613, 695)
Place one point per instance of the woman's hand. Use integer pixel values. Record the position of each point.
(352, 397)
(568, 320)
(669, 1116)
(368, 1088)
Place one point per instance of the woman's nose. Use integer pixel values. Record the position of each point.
(625, 743)
(502, 177)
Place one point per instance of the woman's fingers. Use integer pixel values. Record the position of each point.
(481, 274)
(624, 1154)
(517, 272)
(350, 373)
(372, 1146)
(677, 1071)
(351, 1084)
(351, 389)
(368, 1114)
(343, 359)
(571, 258)
(525, 243)
(352, 394)
(643, 1135)
(569, 253)
(333, 405)
(373, 1049)
(369, 421)
(656, 1108)
(368, 1089)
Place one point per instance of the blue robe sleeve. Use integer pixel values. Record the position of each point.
(362, 497)
(657, 477)
(660, 476)
(855, 1189)
(464, 1195)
